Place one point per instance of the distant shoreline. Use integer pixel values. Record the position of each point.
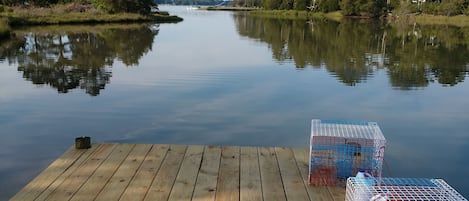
(227, 8)
(423, 19)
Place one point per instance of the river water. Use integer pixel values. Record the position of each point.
(224, 78)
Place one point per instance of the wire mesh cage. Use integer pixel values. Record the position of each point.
(400, 189)
(339, 149)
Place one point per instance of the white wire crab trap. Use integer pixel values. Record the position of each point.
(400, 189)
(339, 149)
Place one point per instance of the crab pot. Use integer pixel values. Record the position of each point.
(400, 189)
(339, 149)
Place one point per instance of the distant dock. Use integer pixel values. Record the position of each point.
(178, 172)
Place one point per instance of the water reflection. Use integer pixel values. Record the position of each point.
(413, 56)
(70, 59)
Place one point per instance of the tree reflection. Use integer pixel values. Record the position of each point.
(71, 59)
(352, 50)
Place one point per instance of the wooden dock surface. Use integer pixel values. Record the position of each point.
(178, 172)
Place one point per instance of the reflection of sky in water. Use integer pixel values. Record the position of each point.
(201, 85)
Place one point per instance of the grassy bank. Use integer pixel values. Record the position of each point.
(460, 21)
(294, 14)
(61, 15)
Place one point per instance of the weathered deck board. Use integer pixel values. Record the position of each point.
(206, 185)
(96, 182)
(186, 178)
(272, 186)
(228, 178)
(58, 182)
(294, 186)
(161, 187)
(178, 172)
(122, 177)
(142, 180)
(48, 176)
(250, 180)
(74, 182)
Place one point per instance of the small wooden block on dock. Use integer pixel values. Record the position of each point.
(178, 172)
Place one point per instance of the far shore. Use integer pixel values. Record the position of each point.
(423, 19)
(227, 8)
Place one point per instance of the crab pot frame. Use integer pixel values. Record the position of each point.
(339, 149)
(400, 189)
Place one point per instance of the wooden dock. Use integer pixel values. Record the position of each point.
(178, 172)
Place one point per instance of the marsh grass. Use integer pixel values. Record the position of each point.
(76, 14)
(459, 21)
(293, 14)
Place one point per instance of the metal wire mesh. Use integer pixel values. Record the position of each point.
(400, 189)
(340, 148)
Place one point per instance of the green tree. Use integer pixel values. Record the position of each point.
(300, 4)
(286, 4)
(328, 5)
(130, 6)
(348, 7)
(452, 7)
(271, 4)
(369, 8)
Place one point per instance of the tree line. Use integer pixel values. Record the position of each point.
(365, 8)
(110, 6)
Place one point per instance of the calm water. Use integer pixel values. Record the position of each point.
(221, 78)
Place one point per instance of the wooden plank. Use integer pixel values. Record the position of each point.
(272, 187)
(101, 176)
(142, 180)
(73, 182)
(206, 186)
(176, 172)
(250, 176)
(294, 186)
(186, 178)
(161, 186)
(84, 157)
(228, 179)
(316, 193)
(33, 189)
(122, 177)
